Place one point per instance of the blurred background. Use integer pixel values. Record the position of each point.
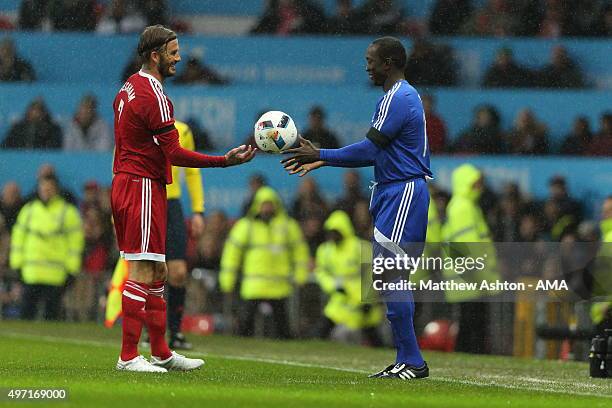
(520, 89)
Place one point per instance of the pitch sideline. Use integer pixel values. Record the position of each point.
(53, 339)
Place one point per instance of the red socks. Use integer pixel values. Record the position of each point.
(155, 319)
(133, 303)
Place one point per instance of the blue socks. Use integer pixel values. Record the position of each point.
(401, 315)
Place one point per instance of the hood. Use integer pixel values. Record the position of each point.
(262, 195)
(464, 178)
(341, 222)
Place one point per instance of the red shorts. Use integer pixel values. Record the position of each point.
(139, 212)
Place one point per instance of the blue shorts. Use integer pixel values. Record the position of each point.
(399, 213)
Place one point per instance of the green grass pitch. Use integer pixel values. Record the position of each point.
(262, 373)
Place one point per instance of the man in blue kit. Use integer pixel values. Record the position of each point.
(396, 145)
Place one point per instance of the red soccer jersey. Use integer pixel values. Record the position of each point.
(142, 111)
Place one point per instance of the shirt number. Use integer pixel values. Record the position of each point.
(120, 109)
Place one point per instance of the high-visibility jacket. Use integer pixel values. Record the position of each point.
(272, 255)
(47, 242)
(466, 234)
(339, 273)
(602, 275)
(432, 241)
(193, 177)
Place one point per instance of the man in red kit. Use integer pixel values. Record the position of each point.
(146, 145)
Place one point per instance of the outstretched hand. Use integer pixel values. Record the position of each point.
(240, 155)
(306, 153)
(301, 170)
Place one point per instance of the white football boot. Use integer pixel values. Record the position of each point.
(177, 362)
(139, 364)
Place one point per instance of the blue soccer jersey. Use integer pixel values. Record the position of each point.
(398, 127)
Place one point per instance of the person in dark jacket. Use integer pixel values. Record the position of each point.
(36, 130)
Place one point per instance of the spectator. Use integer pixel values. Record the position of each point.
(435, 126)
(47, 244)
(448, 16)
(47, 170)
(562, 211)
(430, 65)
(256, 181)
(577, 141)
(35, 131)
(10, 203)
(562, 72)
(583, 16)
(201, 137)
(347, 19)
(88, 131)
(82, 298)
(506, 227)
(284, 17)
(132, 66)
(601, 145)
(196, 72)
(556, 22)
(352, 194)
(72, 15)
(13, 68)
(382, 17)
(312, 228)
(120, 17)
(506, 73)
(267, 245)
(468, 234)
(603, 26)
(484, 136)
(210, 245)
(496, 19)
(31, 14)
(309, 202)
(530, 15)
(529, 229)
(529, 136)
(155, 11)
(91, 196)
(317, 131)
(363, 220)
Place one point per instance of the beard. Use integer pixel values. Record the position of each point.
(164, 68)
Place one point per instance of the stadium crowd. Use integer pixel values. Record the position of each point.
(510, 215)
(527, 136)
(490, 18)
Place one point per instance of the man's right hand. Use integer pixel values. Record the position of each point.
(240, 155)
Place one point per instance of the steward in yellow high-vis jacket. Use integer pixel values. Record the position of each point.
(46, 247)
(467, 235)
(339, 273)
(268, 246)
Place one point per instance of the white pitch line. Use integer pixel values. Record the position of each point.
(452, 380)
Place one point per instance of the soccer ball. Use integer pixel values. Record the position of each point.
(275, 131)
